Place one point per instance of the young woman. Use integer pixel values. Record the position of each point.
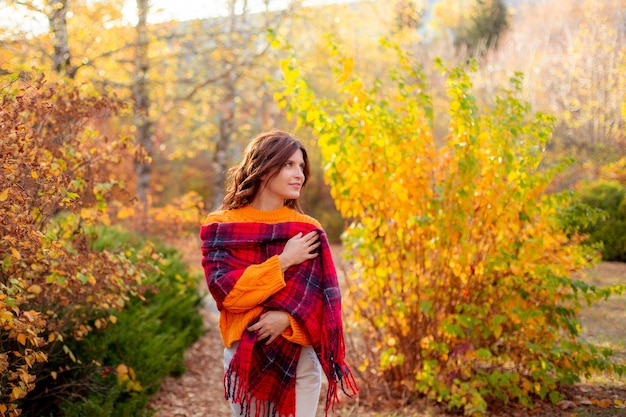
(269, 268)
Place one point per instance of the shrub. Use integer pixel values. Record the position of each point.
(462, 287)
(122, 365)
(55, 178)
(609, 232)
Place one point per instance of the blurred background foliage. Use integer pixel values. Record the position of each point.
(119, 125)
(206, 83)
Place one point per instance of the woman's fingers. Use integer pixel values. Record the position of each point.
(311, 241)
(299, 249)
(312, 236)
(271, 324)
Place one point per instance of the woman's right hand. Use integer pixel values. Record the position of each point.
(298, 249)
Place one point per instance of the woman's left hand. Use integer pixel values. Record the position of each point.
(271, 324)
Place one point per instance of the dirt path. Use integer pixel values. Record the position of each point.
(199, 391)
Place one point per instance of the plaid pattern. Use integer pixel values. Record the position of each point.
(264, 375)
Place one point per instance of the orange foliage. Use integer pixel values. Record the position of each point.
(169, 222)
(54, 181)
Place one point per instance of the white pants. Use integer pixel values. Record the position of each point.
(308, 382)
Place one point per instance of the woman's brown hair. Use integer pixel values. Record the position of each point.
(264, 156)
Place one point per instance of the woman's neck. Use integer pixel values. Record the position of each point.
(266, 204)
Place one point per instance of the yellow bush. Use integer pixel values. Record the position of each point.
(462, 284)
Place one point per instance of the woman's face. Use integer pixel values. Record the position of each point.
(287, 183)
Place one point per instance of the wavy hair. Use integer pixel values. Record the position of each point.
(265, 155)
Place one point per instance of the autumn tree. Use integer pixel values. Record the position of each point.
(462, 285)
(218, 91)
(57, 35)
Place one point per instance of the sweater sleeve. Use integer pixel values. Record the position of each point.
(256, 284)
(295, 333)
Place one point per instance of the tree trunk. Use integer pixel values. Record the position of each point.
(57, 18)
(142, 122)
(226, 128)
(226, 122)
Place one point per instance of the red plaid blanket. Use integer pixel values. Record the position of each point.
(265, 374)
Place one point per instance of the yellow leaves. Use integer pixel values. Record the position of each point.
(312, 115)
(358, 96)
(389, 358)
(30, 360)
(347, 68)
(16, 254)
(40, 357)
(122, 371)
(516, 270)
(17, 393)
(364, 365)
(458, 268)
(69, 353)
(126, 377)
(34, 289)
(6, 317)
(4, 195)
(279, 100)
(126, 212)
(289, 70)
(400, 192)
(449, 241)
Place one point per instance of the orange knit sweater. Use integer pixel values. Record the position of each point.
(258, 282)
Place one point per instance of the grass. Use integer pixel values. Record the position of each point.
(605, 322)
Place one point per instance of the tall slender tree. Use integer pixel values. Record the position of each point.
(56, 11)
(140, 92)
